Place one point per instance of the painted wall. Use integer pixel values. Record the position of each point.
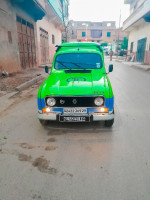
(9, 54)
(138, 33)
(135, 5)
(53, 27)
(52, 30)
(137, 14)
(9, 51)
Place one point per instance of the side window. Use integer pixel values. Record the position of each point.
(83, 34)
(108, 34)
(53, 39)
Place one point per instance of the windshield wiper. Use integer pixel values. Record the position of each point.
(62, 63)
(78, 64)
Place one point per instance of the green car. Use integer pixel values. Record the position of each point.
(78, 88)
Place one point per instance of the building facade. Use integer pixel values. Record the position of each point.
(100, 32)
(137, 26)
(29, 31)
(50, 28)
(18, 34)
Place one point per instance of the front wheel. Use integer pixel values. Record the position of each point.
(109, 123)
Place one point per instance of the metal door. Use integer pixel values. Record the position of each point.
(141, 50)
(26, 43)
(44, 46)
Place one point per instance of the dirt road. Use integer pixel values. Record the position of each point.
(79, 161)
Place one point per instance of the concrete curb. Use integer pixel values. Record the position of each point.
(141, 67)
(28, 83)
(135, 65)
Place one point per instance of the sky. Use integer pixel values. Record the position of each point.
(98, 10)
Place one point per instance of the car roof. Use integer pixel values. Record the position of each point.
(77, 47)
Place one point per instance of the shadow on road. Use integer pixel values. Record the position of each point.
(57, 128)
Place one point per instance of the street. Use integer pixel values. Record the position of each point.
(79, 161)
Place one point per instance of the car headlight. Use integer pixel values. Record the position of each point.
(99, 101)
(51, 101)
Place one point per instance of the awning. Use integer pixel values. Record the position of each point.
(147, 17)
(32, 7)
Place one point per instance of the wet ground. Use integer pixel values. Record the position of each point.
(79, 161)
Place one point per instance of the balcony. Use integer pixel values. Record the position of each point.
(33, 7)
(137, 15)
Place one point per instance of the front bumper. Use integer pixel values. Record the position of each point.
(53, 116)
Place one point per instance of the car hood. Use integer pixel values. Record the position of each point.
(68, 84)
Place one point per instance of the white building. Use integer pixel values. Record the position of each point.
(137, 25)
(50, 28)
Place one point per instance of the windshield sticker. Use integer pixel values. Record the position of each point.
(98, 65)
(73, 79)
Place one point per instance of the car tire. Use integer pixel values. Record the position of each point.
(109, 123)
(43, 122)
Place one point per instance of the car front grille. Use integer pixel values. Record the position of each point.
(74, 101)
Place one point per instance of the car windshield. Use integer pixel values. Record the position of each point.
(78, 61)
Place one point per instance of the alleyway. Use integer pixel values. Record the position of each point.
(79, 161)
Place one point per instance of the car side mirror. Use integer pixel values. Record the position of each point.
(110, 68)
(46, 69)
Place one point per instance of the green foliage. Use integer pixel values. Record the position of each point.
(63, 40)
(104, 44)
(124, 44)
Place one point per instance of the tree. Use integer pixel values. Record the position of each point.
(104, 44)
(124, 44)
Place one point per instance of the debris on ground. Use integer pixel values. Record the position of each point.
(10, 82)
(5, 74)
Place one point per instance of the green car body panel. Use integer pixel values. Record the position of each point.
(93, 84)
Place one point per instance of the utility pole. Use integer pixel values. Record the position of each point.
(86, 31)
(118, 32)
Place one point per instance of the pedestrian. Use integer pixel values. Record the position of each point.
(111, 54)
